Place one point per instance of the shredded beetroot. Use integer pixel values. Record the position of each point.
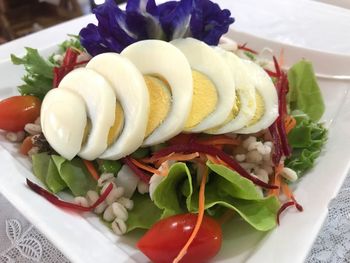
(277, 152)
(271, 73)
(282, 208)
(277, 67)
(297, 205)
(68, 64)
(143, 177)
(245, 48)
(277, 129)
(64, 204)
(212, 151)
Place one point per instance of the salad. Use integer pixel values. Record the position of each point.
(155, 122)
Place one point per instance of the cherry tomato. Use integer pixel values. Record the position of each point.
(165, 239)
(17, 111)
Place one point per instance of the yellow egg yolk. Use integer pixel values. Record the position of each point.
(86, 131)
(204, 100)
(234, 112)
(114, 131)
(160, 101)
(260, 109)
(118, 125)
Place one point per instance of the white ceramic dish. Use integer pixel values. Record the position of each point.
(84, 239)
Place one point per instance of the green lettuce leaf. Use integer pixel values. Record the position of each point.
(39, 73)
(307, 139)
(40, 162)
(177, 193)
(144, 213)
(221, 190)
(75, 175)
(53, 178)
(168, 195)
(72, 42)
(45, 170)
(304, 93)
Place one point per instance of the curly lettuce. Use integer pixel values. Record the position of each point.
(307, 139)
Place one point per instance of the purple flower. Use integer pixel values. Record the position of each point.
(143, 19)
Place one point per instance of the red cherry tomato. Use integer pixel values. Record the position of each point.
(165, 239)
(17, 111)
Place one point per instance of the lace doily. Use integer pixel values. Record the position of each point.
(20, 242)
(333, 243)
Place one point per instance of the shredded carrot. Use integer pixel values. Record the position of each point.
(145, 167)
(165, 168)
(286, 190)
(289, 123)
(201, 204)
(91, 168)
(216, 160)
(289, 194)
(213, 159)
(171, 157)
(277, 180)
(180, 157)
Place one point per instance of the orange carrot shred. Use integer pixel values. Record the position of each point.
(201, 204)
(145, 167)
(172, 157)
(277, 180)
(286, 190)
(91, 168)
(289, 123)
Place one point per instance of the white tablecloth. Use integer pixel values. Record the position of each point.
(298, 22)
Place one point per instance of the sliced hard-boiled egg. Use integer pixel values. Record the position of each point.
(169, 80)
(100, 102)
(266, 99)
(244, 108)
(132, 94)
(213, 85)
(63, 120)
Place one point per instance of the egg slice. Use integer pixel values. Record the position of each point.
(100, 102)
(131, 92)
(266, 99)
(244, 108)
(213, 85)
(169, 81)
(63, 120)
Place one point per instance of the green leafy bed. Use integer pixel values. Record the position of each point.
(178, 192)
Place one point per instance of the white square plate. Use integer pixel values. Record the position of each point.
(84, 239)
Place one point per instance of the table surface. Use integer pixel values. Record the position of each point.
(298, 22)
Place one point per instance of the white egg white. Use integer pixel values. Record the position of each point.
(63, 120)
(156, 57)
(205, 60)
(132, 93)
(100, 102)
(265, 87)
(245, 92)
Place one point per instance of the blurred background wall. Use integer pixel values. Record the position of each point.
(21, 17)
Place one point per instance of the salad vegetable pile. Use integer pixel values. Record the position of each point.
(152, 121)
